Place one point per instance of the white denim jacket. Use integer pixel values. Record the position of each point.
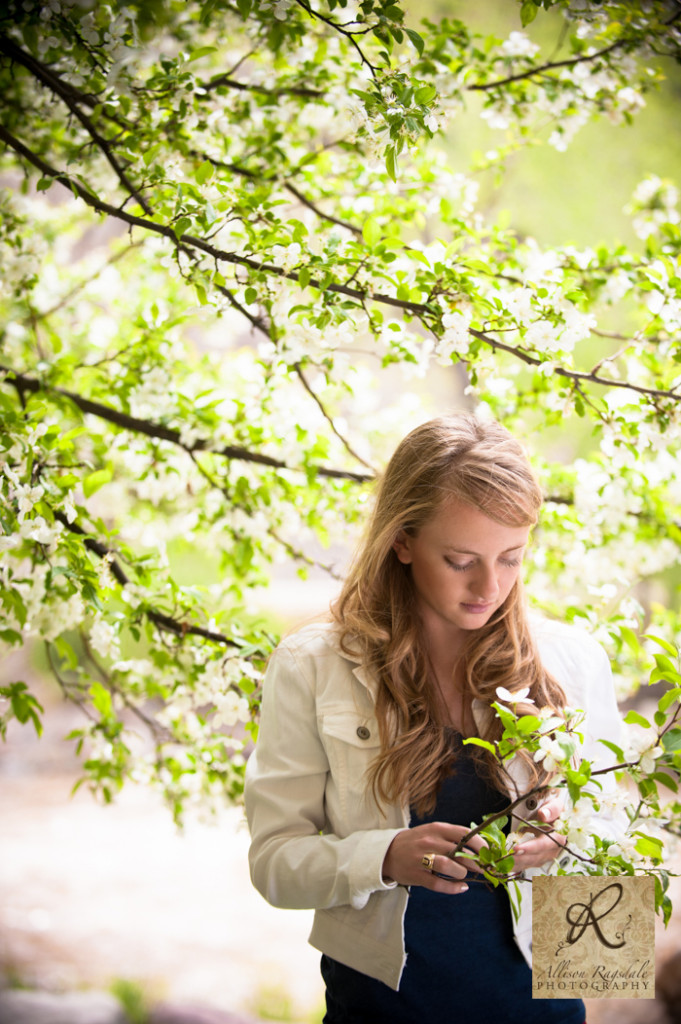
(318, 838)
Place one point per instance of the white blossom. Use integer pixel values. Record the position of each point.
(518, 45)
(39, 530)
(455, 338)
(517, 697)
(104, 638)
(549, 752)
(231, 708)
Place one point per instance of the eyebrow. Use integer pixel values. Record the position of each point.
(464, 551)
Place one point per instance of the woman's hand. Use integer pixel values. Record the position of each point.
(542, 844)
(403, 862)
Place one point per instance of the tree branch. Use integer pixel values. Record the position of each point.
(575, 375)
(549, 66)
(55, 84)
(422, 310)
(295, 553)
(160, 619)
(167, 231)
(46, 313)
(24, 383)
(65, 686)
(234, 83)
(543, 68)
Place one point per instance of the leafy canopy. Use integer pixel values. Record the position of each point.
(228, 229)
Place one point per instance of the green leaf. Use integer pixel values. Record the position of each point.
(671, 741)
(96, 480)
(391, 162)
(476, 741)
(528, 12)
(66, 653)
(666, 780)
(181, 225)
(648, 846)
(371, 232)
(617, 751)
(204, 172)
(202, 51)
(44, 184)
(528, 723)
(24, 705)
(630, 639)
(633, 717)
(664, 644)
(668, 698)
(101, 699)
(425, 94)
(416, 39)
(10, 636)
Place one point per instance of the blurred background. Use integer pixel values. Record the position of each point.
(112, 901)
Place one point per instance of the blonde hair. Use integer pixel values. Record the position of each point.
(480, 464)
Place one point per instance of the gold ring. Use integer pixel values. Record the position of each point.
(428, 861)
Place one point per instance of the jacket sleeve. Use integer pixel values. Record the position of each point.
(583, 668)
(587, 679)
(294, 861)
(602, 722)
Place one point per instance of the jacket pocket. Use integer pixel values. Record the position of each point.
(352, 742)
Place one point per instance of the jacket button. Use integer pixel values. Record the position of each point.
(363, 732)
(531, 804)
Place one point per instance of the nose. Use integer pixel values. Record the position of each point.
(485, 585)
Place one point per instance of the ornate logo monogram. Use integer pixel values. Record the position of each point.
(581, 916)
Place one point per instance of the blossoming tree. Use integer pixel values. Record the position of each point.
(271, 173)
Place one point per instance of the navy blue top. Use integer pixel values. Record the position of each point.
(462, 961)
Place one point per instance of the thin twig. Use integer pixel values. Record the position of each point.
(329, 419)
(65, 299)
(234, 83)
(343, 31)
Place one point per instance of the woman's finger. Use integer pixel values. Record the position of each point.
(419, 856)
(538, 850)
(550, 809)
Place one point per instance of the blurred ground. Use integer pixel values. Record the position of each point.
(90, 894)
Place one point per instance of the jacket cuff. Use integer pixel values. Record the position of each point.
(366, 866)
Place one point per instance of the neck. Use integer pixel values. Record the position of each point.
(444, 645)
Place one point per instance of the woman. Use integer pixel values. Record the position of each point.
(360, 786)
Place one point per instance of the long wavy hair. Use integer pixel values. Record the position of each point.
(480, 464)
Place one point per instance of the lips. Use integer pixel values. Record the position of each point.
(477, 609)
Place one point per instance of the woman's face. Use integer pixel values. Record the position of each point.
(463, 566)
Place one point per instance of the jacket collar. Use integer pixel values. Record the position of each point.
(359, 671)
(481, 712)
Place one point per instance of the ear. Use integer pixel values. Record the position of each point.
(402, 547)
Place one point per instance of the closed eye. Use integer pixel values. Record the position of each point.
(508, 563)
